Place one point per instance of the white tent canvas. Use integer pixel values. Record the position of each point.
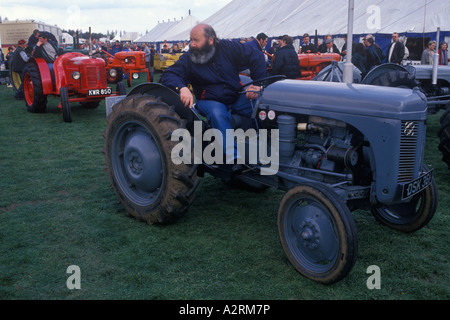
(169, 30)
(244, 18)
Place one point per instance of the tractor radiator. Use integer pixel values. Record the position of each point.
(408, 148)
(95, 78)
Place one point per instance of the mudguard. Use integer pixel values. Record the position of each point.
(167, 95)
(46, 77)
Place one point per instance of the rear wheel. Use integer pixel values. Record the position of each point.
(138, 150)
(35, 99)
(444, 136)
(317, 232)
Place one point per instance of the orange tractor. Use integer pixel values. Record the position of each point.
(312, 63)
(128, 63)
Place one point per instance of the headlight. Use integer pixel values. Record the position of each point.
(76, 75)
(135, 76)
(126, 60)
(113, 73)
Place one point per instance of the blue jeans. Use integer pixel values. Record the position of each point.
(219, 116)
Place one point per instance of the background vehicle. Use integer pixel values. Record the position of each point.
(73, 77)
(128, 63)
(312, 63)
(334, 157)
(164, 60)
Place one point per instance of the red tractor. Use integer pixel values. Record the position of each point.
(74, 77)
(130, 63)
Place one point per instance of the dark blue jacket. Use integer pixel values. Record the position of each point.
(286, 62)
(219, 78)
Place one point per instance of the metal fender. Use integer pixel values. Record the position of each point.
(383, 68)
(46, 77)
(167, 95)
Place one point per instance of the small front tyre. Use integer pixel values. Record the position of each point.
(317, 232)
(410, 216)
(65, 104)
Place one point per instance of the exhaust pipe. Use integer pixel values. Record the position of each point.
(436, 59)
(90, 43)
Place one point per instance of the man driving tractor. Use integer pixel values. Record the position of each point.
(212, 67)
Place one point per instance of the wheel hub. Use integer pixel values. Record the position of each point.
(142, 161)
(310, 234)
(135, 161)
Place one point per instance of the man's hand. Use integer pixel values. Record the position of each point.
(250, 92)
(186, 97)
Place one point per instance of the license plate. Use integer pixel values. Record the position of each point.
(417, 185)
(99, 92)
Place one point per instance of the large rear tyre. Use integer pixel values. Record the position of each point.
(138, 150)
(317, 232)
(444, 136)
(411, 216)
(35, 99)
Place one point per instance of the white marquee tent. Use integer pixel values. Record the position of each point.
(245, 18)
(167, 30)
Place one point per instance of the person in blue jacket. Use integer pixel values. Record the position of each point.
(212, 67)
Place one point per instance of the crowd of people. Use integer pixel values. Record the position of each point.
(365, 55)
(281, 58)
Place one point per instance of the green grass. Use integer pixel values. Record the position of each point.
(57, 210)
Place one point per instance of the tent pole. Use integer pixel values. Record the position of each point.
(348, 65)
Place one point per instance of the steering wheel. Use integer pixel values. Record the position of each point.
(264, 82)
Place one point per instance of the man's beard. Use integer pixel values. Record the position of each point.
(202, 55)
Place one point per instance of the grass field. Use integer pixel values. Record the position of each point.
(57, 210)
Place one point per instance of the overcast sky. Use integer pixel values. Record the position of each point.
(122, 15)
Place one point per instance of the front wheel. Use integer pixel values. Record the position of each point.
(317, 232)
(410, 216)
(138, 148)
(65, 104)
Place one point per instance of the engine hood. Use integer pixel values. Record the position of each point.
(425, 72)
(343, 98)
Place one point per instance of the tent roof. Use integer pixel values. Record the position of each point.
(244, 18)
(130, 36)
(169, 30)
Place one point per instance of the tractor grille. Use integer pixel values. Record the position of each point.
(92, 77)
(408, 147)
(96, 77)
